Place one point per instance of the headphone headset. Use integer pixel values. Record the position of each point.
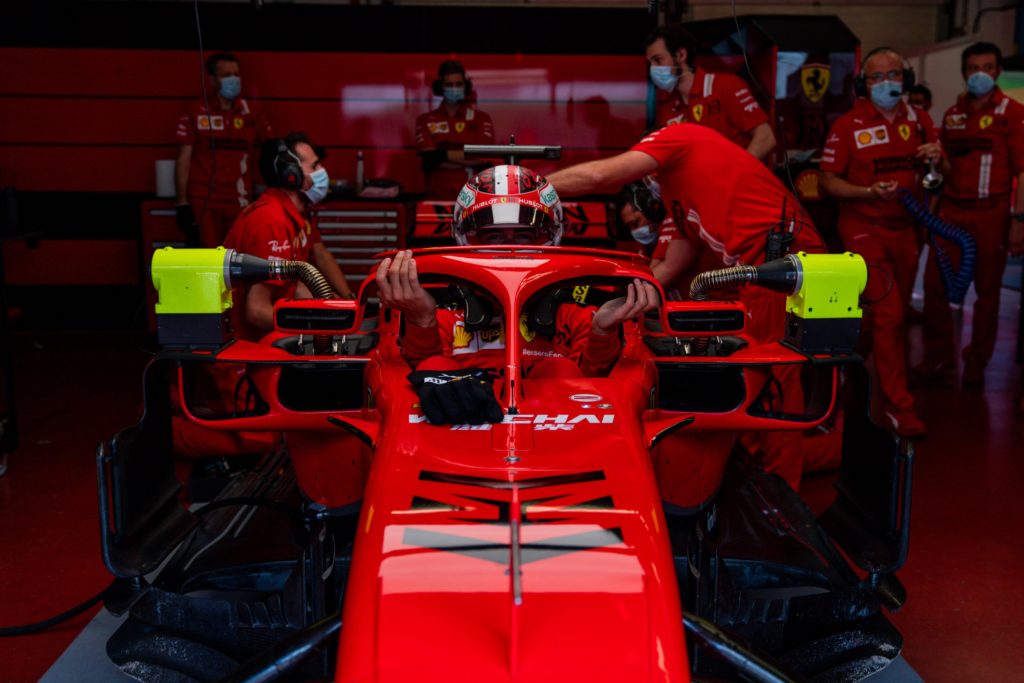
(644, 201)
(860, 85)
(287, 168)
(446, 68)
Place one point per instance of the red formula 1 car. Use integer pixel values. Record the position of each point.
(372, 545)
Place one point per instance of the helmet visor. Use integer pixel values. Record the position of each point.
(495, 225)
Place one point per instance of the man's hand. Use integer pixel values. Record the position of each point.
(884, 189)
(641, 296)
(400, 289)
(929, 151)
(1015, 241)
(185, 218)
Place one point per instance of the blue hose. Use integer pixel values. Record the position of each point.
(956, 282)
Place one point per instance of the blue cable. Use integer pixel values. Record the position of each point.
(956, 282)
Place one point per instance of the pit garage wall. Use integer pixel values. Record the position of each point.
(89, 108)
(63, 129)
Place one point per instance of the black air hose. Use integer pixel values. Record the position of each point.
(956, 282)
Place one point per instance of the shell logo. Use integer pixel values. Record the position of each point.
(461, 338)
(864, 138)
(807, 185)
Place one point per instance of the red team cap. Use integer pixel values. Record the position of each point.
(508, 205)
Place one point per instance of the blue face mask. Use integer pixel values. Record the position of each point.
(321, 183)
(980, 83)
(230, 87)
(644, 235)
(886, 94)
(454, 94)
(664, 78)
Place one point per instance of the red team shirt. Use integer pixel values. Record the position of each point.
(269, 228)
(435, 130)
(722, 102)
(667, 233)
(863, 148)
(233, 134)
(985, 147)
(486, 348)
(730, 199)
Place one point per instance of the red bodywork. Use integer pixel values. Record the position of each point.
(532, 550)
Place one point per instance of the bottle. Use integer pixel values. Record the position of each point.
(359, 171)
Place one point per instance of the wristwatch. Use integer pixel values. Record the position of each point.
(1017, 216)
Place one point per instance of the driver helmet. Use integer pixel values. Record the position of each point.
(508, 205)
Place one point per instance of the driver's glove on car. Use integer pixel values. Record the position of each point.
(457, 396)
(185, 218)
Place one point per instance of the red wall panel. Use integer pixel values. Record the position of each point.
(96, 120)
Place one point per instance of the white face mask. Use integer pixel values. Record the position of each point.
(644, 235)
(321, 184)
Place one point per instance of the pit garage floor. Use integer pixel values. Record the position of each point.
(963, 620)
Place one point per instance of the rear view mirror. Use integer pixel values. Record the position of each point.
(317, 316)
(696, 318)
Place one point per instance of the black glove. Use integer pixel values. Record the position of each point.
(457, 396)
(186, 220)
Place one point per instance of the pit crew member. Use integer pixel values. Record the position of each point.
(724, 197)
(983, 135)
(508, 205)
(876, 149)
(214, 152)
(642, 212)
(921, 97)
(275, 226)
(719, 101)
(441, 133)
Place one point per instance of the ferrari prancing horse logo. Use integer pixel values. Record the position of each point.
(904, 130)
(815, 79)
(698, 112)
(460, 126)
(985, 122)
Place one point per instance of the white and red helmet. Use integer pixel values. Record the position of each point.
(507, 205)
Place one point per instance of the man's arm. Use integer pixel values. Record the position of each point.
(1015, 241)
(603, 174)
(596, 351)
(762, 141)
(1015, 121)
(259, 307)
(399, 288)
(328, 265)
(680, 256)
(181, 170)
